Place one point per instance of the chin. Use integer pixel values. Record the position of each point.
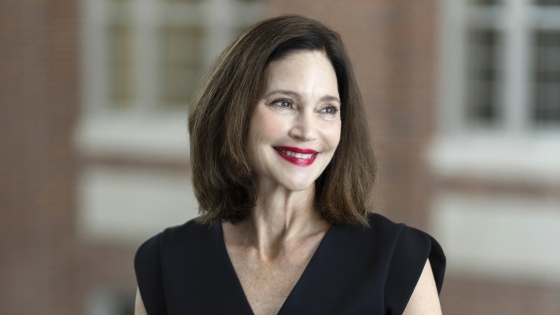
(297, 185)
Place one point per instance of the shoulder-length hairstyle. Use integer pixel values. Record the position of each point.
(220, 112)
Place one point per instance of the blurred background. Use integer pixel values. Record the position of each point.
(463, 100)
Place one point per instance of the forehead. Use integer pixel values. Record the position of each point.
(302, 71)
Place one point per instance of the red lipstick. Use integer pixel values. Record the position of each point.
(287, 153)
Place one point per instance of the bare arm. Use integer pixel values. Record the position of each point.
(139, 309)
(424, 299)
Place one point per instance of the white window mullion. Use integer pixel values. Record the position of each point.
(517, 80)
(152, 48)
(145, 50)
(95, 54)
(218, 25)
(452, 89)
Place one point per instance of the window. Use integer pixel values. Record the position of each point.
(142, 60)
(547, 77)
(484, 76)
(510, 65)
(147, 55)
(500, 90)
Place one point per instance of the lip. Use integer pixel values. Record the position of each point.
(297, 150)
(293, 159)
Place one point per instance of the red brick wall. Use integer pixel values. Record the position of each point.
(39, 101)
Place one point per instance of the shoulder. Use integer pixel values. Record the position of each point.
(409, 244)
(381, 225)
(401, 249)
(158, 254)
(408, 251)
(179, 235)
(173, 244)
(386, 235)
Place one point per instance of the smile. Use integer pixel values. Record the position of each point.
(297, 156)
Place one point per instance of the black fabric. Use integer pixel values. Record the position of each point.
(355, 270)
(148, 267)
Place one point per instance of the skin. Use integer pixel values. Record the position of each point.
(299, 108)
(269, 250)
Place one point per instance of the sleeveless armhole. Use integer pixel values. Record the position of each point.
(411, 251)
(147, 266)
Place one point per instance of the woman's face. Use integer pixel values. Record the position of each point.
(295, 127)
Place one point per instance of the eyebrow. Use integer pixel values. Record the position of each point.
(296, 95)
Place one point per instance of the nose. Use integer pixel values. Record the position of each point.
(304, 128)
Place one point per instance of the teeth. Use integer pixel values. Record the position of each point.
(297, 155)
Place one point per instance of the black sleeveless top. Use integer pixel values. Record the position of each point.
(355, 270)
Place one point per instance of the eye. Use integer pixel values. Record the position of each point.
(331, 110)
(283, 103)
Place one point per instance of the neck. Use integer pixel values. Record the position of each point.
(280, 216)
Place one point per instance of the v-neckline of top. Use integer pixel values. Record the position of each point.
(308, 269)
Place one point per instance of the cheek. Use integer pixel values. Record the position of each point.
(267, 125)
(264, 128)
(332, 135)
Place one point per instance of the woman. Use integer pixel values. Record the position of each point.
(282, 170)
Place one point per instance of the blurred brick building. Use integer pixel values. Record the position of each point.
(463, 99)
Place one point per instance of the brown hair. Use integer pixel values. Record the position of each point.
(220, 112)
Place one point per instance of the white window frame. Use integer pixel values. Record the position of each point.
(513, 150)
(142, 131)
